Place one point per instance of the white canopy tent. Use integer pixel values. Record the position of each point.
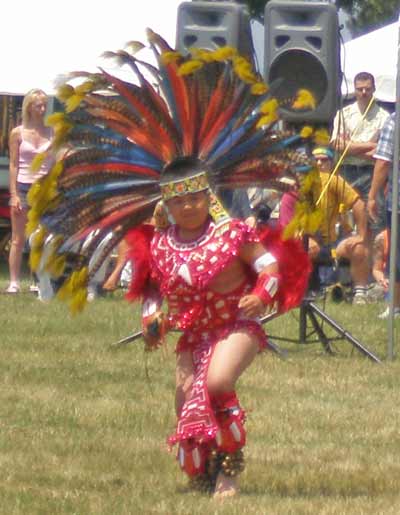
(375, 52)
(41, 40)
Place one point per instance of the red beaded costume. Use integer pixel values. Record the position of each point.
(183, 272)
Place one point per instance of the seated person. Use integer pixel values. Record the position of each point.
(338, 199)
(380, 273)
(379, 260)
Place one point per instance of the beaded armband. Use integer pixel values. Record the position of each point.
(263, 261)
(266, 287)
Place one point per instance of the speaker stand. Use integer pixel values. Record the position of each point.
(310, 312)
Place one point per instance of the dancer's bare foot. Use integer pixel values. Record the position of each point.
(225, 487)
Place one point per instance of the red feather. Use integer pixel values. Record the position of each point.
(193, 121)
(111, 219)
(218, 125)
(150, 142)
(181, 96)
(294, 267)
(213, 106)
(113, 167)
(145, 112)
(139, 240)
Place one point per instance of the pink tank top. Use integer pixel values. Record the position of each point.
(27, 152)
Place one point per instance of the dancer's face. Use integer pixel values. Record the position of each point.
(189, 211)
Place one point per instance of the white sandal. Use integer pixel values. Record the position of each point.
(13, 288)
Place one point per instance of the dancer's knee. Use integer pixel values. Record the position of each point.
(220, 385)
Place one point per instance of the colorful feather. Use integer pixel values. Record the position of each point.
(117, 136)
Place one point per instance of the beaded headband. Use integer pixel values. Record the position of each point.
(184, 186)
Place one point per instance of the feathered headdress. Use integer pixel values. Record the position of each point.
(116, 139)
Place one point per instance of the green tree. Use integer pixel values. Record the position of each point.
(365, 15)
(368, 15)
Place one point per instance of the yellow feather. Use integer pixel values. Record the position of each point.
(60, 133)
(78, 301)
(64, 293)
(64, 92)
(245, 75)
(55, 266)
(57, 169)
(269, 109)
(304, 100)
(259, 88)
(321, 137)
(224, 53)
(82, 276)
(54, 118)
(38, 238)
(44, 191)
(311, 182)
(33, 193)
(73, 102)
(306, 131)
(267, 119)
(37, 162)
(85, 87)
(31, 226)
(243, 70)
(315, 220)
(170, 57)
(202, 54)
(190, 67)
(269, 106)
(290, 230)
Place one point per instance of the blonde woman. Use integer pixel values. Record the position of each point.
(26, 141)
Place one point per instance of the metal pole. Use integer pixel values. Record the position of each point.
(395, 202)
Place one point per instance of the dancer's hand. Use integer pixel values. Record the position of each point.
(251, 306)
(154, 330)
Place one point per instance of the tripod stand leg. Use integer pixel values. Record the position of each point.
(303, 323)
(315, 310)
(318, 329)
(309, 309)
(277, 350)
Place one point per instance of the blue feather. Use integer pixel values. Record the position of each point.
(240, 150)
(129, 152)
(229, 126)
(228, 143)
(109, 187)
(281, 145)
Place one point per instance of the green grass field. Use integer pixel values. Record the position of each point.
(83, 426)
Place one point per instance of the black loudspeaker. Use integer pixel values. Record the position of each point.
(211, 25)
(302, 50)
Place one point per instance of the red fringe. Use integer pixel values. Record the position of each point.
(294, 267)
(138, 240)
